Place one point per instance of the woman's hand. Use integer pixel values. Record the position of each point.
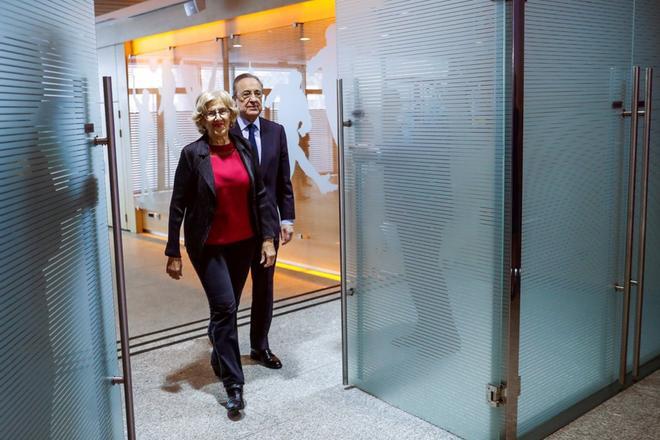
(174, 267)
(268, 253)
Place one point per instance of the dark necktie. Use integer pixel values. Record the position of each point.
(253, 141)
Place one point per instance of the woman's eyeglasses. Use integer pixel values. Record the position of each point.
(219, 113)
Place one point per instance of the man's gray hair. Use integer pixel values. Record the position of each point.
(243, 76)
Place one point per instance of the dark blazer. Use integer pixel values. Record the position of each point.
(274, 165)
(194, 199)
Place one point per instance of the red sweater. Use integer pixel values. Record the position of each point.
(231, 222)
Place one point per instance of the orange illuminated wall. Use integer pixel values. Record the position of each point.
(258, 21)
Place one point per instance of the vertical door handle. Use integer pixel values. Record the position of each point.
(342, 230)
(630, 224)
(109, 141)
(642, 218)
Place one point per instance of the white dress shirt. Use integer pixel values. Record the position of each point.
(245, 131)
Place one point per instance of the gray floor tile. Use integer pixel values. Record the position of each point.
(634, 414)
(178, 397)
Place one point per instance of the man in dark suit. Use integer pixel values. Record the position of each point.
(268, 141)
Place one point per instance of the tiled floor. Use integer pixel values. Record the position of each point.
(177, 396)
(633, 414)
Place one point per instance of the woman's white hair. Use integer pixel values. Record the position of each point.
(205, 100)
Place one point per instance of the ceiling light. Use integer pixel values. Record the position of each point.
(301, 30)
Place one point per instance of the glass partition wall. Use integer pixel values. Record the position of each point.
(429, 165)
(423, 87)
(575, 167)
(590, 208)
(297, 66)
(427, 152)
(58, 352)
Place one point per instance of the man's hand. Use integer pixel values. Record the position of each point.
(286, 233)
(268, 253)
(174, 267)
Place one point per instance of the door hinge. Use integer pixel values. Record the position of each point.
(495, 394)
(126, 217)
(120, 133)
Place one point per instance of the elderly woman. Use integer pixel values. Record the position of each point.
(228, 216)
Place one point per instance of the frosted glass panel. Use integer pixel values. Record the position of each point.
(423, 85)
(57, 335)
(299, 79)
(647, 54)
(578, 62)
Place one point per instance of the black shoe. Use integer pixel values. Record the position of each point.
(266, 358)
(235, 400)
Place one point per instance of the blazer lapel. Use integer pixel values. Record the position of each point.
(205, 169)
(266, 143)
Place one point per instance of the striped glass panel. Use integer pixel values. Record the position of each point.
(424, 87)
(647, 54)
(57, 327)
(578, 62)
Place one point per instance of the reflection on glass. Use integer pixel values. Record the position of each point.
(299, 80)
(299, 84)
(162, 88)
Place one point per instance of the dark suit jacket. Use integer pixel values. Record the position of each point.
(194, 198)
(274, 165)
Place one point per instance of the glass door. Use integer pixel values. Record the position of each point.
(423, 86)
(646, 54)
(576, 207)
(58, 348)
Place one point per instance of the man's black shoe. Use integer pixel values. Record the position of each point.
(235, 400)
(266, 358)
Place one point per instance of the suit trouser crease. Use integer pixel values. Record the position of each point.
(261, 313)
(223, 271)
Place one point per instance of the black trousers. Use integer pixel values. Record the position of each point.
(223, 271)
(261, 313)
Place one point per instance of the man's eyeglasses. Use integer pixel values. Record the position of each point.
(258, 94)
(216, 113)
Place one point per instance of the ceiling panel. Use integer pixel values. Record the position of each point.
(105, 6)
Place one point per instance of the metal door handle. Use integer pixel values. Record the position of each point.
(342, 229)
(109, 141)
(642, 219)
(630, 225)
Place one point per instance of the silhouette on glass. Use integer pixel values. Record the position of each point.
(293, 114)
(326, 61)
